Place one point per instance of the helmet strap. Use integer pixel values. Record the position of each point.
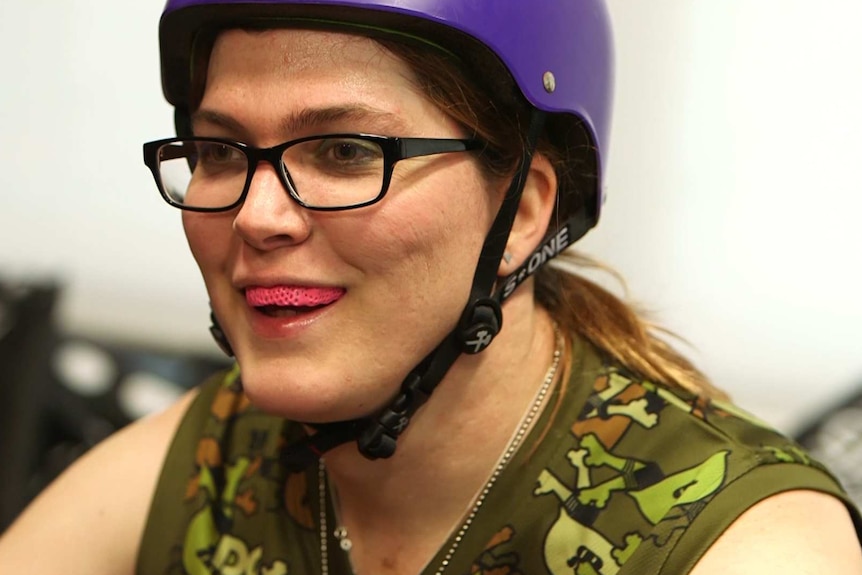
(565, 235)
(480, 322)
(218, 334)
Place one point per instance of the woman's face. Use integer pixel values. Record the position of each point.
(394, 276)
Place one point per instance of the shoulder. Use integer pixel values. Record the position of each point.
(794, 532)
(91, 518)
(697, 470)
(673, 427)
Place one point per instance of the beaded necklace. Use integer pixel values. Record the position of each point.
(340, 532)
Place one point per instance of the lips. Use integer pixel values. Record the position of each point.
(294, 297)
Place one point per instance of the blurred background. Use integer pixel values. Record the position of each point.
(734, 202)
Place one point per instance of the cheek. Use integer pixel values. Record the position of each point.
(208, 236)
(434, 232)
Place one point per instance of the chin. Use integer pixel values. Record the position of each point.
(308, 396)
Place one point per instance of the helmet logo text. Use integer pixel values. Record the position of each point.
(549, 250)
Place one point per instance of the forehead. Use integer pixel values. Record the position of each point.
(260, 76)
(295, 54)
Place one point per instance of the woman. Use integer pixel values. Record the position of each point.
(371, 190)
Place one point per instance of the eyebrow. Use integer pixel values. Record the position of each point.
(381, 121)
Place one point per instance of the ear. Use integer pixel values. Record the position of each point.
(534, 213)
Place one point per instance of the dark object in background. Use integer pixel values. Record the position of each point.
(61, 394)
(26, 340)
(835, 439)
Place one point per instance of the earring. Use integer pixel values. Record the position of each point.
(507, 257)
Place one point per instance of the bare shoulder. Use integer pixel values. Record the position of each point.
(90, 520)
(795, 533)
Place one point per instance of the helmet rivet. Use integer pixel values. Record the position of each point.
(550, 82)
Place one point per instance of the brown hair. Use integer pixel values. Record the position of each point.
(579, 305)
(481, 96)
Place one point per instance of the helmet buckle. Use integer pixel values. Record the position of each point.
(480, 324)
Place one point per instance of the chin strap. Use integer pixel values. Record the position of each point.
(480, 322)
(219, 335)
(479, 325)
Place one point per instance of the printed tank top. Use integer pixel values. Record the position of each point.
(629, 477)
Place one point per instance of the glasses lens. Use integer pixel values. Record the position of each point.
(202, 173)
(335, 171)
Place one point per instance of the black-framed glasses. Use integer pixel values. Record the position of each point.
(329, 172)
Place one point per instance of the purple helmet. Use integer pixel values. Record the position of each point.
(559, 54)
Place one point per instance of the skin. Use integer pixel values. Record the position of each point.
(405, 263)
(90, 520)
(797, 532)
(413, 253)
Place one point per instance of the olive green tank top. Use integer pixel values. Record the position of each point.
(618, 476)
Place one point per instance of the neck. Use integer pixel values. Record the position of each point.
(414, 500)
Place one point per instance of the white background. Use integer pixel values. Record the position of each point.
(734, 183)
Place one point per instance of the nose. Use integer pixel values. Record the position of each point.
(268, 217)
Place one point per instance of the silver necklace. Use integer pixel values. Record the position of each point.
(340, 532)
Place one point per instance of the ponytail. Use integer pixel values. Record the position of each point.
(586, 309)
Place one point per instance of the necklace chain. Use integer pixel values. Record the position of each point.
(340, 532)
(324, 531)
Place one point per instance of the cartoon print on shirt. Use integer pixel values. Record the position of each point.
(633, 474)
(230, 401)
(655, 496)
(573, 543)
(235, 558)
(208, 547)
(702, 407)
(206, 550)
(494, 562)
(600, 498)
(297, 502)
(687, 487)
(641, 411)
(789, 453)
(615, 404)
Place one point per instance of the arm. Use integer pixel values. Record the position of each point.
(90, 520)
(793, 533)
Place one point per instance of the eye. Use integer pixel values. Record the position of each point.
(218, 153)
(349, 151)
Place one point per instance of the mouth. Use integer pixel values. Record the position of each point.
(291, 301)
(285, 311)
